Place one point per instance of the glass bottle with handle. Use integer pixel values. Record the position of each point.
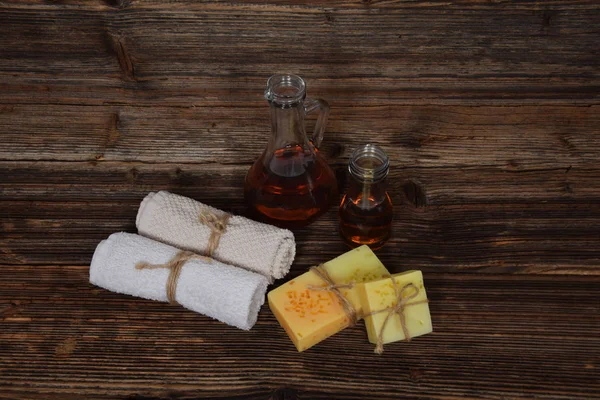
(291, 184)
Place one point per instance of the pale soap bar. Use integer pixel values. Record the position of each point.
(310, 316)
(379, 295)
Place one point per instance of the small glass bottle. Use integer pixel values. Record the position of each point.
(366, 209)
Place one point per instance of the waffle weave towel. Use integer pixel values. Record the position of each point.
(229, 294)
(174, 219)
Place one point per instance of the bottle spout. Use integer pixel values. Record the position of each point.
(285, 90)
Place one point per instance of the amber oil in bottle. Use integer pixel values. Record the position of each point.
(366, 209)
(293, 189)
(290, 185)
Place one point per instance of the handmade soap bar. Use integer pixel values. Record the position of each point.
(310, 316)
(380, 295)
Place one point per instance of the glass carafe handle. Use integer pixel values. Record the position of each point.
(323, 107)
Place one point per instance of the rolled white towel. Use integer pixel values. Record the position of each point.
(226, 293)
(252, 245)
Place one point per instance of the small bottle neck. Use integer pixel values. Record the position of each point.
(369, 164)
(370, 192)
(368, 167)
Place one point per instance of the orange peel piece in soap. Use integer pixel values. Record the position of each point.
(309, 316)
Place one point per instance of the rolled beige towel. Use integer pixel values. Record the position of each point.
(182, 222)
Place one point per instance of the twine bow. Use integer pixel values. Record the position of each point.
(175, 265)
(401, 303)
(217, 225)
(335, 289)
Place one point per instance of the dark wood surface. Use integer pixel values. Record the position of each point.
(488, 109)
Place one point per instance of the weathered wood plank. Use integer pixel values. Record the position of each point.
(489, 111)
(222, 184)
(532, 137)
(361, 52)
(484, 220)
(483, 239)
(62, 336)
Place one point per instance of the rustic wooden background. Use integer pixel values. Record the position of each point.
(490, 111)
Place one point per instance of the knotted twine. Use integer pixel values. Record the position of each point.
(175, 265)
(217, 225)
(335, 289)
(398, 308)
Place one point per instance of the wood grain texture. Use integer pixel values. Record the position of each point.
(495, 337)
(532, 137)
(352, 52)
(464, 219)
(222, 184)
(488, 110)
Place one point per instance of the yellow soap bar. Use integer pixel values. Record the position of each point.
(379, 295)
(310, 316)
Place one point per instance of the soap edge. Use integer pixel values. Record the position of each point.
(364, 300)
(362, 295)
(280, 318)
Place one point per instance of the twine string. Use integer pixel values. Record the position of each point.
(401, 303)
(217, 225)
(175, 265)
(334, 288)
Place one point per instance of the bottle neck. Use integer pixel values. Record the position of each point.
(368, 168)
(285, 94)
(366, 194)
(287, 127)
